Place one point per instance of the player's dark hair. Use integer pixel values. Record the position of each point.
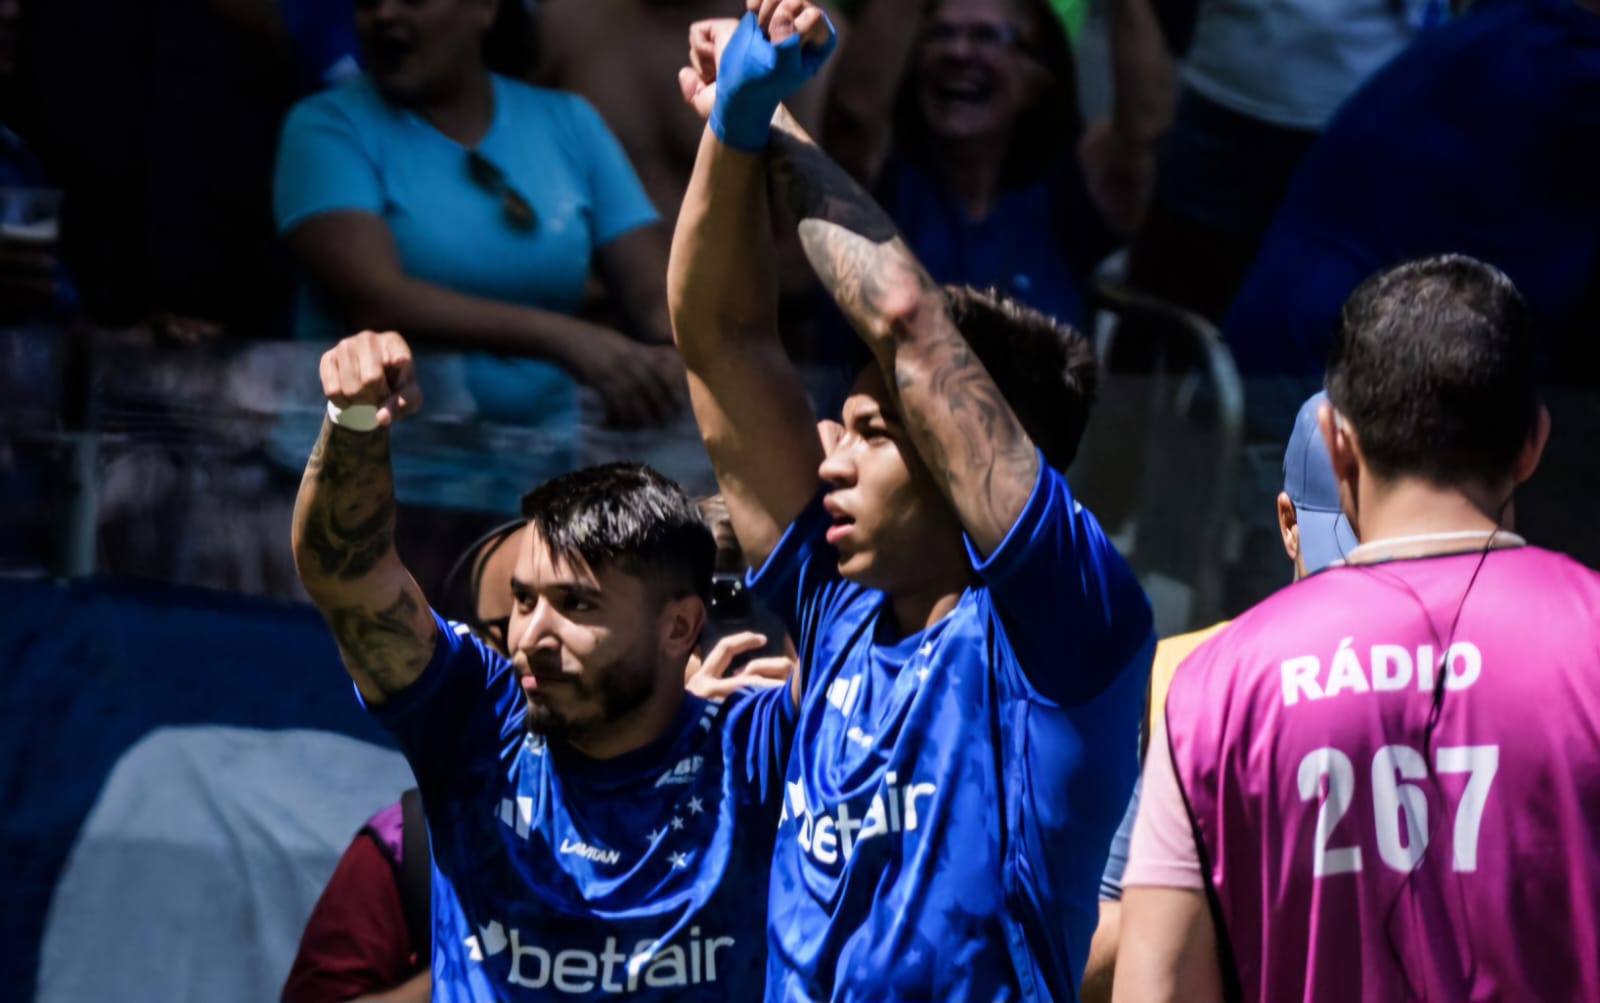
(1046, 370)
(629, 517)
(1433, 364)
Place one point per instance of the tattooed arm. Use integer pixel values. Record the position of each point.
(343, 533)
(962, 427)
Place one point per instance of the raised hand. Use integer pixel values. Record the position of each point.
(777, 46)
(698, 80)
(782, 19)
(374, 369)
(708, 677)
(641, 385)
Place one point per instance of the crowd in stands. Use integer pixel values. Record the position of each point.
(499, 180)
(574, 248)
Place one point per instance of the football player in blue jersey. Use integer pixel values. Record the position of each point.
(973, 650)
(595, 830)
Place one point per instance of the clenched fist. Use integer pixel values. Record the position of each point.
(373, 368)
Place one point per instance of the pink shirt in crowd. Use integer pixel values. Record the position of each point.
(1354, 856)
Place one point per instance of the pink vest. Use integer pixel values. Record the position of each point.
(1353, 855)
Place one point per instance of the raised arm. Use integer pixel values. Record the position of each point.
(1119, 153)
(962, 427)
(343, 534)
(748, 398)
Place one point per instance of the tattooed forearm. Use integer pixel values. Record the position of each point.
(385, 646)
(344, 548)
(961, 424)
(972, 436)
(344, 517)
(814, 187)
(851, 242)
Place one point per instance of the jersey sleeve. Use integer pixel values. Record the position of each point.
(460, 719)
(617, 194)
(1162, 853)
(759, 730)
(322, 166)
(1072, 610)
(800, 582)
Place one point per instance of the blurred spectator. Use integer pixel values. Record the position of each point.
(1480, 139)
(1195, 173)
(1261, 79)
(962, 117)
(369, 938)
(434, 196)
(582, 50)
(159, 124)
(33, 282)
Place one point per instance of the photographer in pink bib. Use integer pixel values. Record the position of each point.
(1383, 783)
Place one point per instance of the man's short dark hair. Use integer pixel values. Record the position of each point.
(1433, 364)
(629, 517)
(1046, 370)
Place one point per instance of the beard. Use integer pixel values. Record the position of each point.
(593, 705)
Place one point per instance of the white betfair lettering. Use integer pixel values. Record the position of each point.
(829, 837)
(540, 957)
(573, 965)
(667, 969)
(598, 854)
(578, 971)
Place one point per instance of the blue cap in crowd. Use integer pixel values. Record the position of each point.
(1325, 534)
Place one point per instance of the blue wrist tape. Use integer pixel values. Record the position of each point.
(755, 76)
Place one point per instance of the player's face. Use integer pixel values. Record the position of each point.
(415, 48)
(585, 646)
(889, 518)
(974, 76)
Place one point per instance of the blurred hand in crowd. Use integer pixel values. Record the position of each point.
(373, 368)
(641, 385)
(1120, 174)
(706, 675)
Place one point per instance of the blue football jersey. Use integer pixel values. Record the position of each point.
(557, 876)
(951, 794)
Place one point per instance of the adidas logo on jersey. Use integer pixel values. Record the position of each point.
(609, 970)
(843, 693)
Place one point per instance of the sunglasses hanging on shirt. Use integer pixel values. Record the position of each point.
(488, 176)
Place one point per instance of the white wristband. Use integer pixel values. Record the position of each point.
(356, 417)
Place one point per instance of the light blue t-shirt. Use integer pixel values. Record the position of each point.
(561, 877)
(952, 793)
(349, 149)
